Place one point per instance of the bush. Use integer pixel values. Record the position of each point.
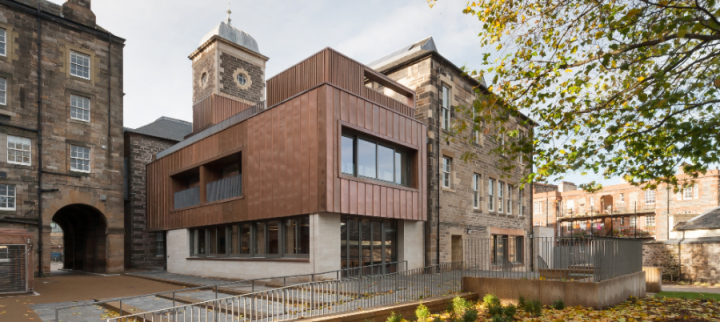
(558, 305)
(470, 315)
(394, 317)
(533, 307)
(422, 313)
(510, 311)
(492, 303)
(437, 319)
(521, 301)
(460, 305)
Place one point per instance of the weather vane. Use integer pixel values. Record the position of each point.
(229, 12)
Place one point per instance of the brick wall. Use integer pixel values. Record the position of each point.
(457, 214)
(700, 260)
(140, 246)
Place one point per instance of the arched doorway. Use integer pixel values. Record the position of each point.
(84, 237)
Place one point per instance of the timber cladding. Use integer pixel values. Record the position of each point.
(290, 153)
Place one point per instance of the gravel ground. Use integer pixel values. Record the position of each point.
(68, 287)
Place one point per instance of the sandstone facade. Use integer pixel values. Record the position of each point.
(88, 205)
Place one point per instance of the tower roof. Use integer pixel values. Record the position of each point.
(234, 35)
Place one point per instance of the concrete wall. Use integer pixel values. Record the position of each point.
(411, 235)
(595, 295)
(324, 255)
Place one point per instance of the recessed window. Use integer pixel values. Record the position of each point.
(446, 170)
(160, 244)
(79, 65)
(3, 42)
(688, 193)
(445, 108)
(521, 207)
(491, 194)
(622, 197)
(476, 191)
(204, 78)
(18, 151)
(7, 197)
(79, 158)
(3, 91)
(649, 221)
(242, 79)
(500, 191)
(79, 108)
(364, 158)
(509, 199)
(649, 197)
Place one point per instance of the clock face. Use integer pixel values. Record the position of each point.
(241, 79)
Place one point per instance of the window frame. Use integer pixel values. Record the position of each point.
(21, 151)
(4, 91)
(491, 196)
(446, 172)
(500, 196)
(410, 154)
(4, 41)
(476, 190)
(648, 222)
(89, 66)
(647, 195)
(80, 98)
(508, 206)
(8, 197)
(521, 200)
(688, 193)
(89, 159)
(445, 107)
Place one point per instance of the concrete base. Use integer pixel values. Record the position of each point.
(596, 295)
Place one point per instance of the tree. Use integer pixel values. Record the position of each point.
(623, 88)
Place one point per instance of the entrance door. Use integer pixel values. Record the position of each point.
(456, 249)
(13, 269)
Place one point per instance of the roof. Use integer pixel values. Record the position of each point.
(411, 52)
(707, 220)
(234, 35)
(165, 128)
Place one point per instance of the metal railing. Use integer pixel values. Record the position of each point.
(186, 198)
(224, 188)
(555, 258)
(215, 291)
(315, 298)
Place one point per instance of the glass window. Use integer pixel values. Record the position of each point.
(633, 221)
(445, 108)
(509, 199)
(649, 221)
(291, 236)
(348, 155)
(259, 239)
(3, 91)
(3, 42)
(499, 248)
(519, 249)
(649, 197)
(476, 191)
(688, 193)
(79, 158)
(160, 244)
(374, 161)
(521, 207)
(491, 194)
(501, 188)
(446, 168)
(221, 241)
(622, 197)
(368, 242)
(18, 150)
(7, 197)
(385, 163)
(212, 241)
(79, 65)
(366, 159)
(200, 241)
(245, 238)
(79, 108)
(273, 233)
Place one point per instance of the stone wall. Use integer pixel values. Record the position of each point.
(699, 259)
(229, 67)
(101, 188)
(140, 246)
(457, 214)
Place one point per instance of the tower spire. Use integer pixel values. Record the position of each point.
(229, 12)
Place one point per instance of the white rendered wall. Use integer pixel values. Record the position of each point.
(411, 241)
(324, 255)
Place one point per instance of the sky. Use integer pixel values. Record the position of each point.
(160, 34)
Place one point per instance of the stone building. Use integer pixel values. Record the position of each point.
(61, 149)
(476, 199)
(144, 249)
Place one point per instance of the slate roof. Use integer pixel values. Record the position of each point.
(707, 220)
(165, 128)
(232, 34)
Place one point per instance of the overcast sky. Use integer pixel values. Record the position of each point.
(160, 34)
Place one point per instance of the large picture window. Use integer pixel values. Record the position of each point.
(368, 244)
(364, 158)
(289, 237)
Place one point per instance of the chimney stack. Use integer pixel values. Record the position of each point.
(79, 11)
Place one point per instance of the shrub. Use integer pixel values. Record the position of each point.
(394, 317)
(422, 313)
(470, 315)
(499, 318)
(510, 311)
(521, 301)
(558, 305)
(460, 305)
(437, 319)
(491, 300)
(533, 307)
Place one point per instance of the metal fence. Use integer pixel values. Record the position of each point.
(162, 300)
(316, 298)
(13, 269)
(186, 198)
(224, 188)
(553, 258)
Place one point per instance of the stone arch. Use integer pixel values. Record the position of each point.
(85, 237)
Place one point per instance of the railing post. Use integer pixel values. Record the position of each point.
(252, 287)
(57, 315)
(216, 291)
(121, 311)
(173, 298)
(284, 281)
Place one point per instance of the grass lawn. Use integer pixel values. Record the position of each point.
(690, 295)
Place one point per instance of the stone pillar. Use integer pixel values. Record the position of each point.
(114, 251)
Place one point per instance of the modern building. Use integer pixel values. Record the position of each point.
(309, 171)
(471, 199)
(144, 249)
(61, 149)
(624, 210)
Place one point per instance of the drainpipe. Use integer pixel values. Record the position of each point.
(39, 141)
(667, 214)
(439, 159)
